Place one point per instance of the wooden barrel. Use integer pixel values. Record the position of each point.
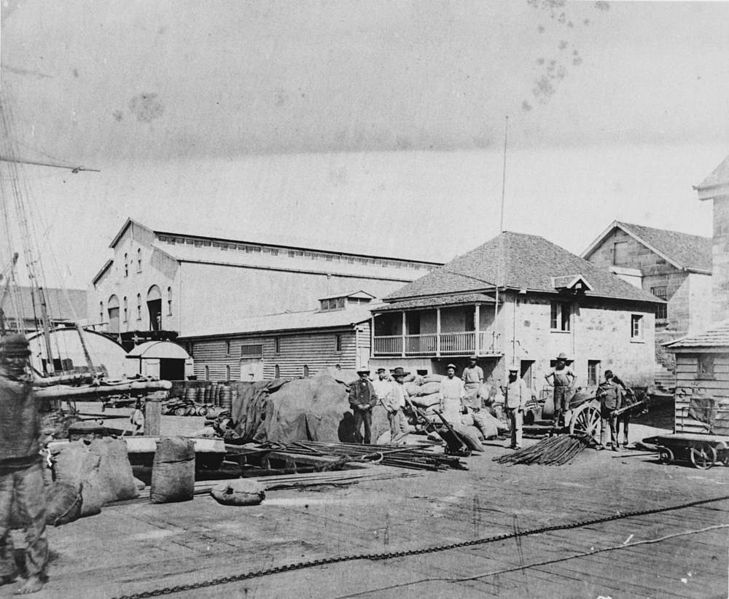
(191, 394)
(226, 397)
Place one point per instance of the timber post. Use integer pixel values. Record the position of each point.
(153, 413)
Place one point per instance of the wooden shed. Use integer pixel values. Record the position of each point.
(702, 381)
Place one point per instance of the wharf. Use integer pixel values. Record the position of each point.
(138, 547)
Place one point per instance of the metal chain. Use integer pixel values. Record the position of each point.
(408, 552)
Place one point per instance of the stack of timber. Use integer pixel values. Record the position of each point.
(411, 457)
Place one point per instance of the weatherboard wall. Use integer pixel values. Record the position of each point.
(692, 384)
(720, 260)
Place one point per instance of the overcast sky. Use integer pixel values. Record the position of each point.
(368, 125)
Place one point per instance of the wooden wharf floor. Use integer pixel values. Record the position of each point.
(140, 547)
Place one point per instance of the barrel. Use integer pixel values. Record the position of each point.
(226, 398)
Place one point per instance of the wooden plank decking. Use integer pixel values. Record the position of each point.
(140, 547)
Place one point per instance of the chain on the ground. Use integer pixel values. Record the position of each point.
(407, 552)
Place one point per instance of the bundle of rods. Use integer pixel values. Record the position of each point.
(552, 451)
(413, 457)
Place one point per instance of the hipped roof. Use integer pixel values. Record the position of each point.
(522, 262)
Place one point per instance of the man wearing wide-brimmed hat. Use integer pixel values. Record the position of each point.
(563, 380)
(362, 398)
(394, 402)
(21, 473)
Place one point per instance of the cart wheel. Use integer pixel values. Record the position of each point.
(665, 455)
(703, 456)
(586, 421)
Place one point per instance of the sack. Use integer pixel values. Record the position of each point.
(429, 388)
(239, 492)
(469, 434)
(412, 388)
(432, 378)
(427, 401)
(63, 504)
(92, 495)
(73, 464)
(115, 471)
(173, 471)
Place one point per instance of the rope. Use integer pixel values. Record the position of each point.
(408, 552)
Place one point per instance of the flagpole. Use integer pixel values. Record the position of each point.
(499, 258)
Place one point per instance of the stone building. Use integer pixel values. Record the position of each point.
(715, 188)
(159, 283)
(519, 300)
(673, 266)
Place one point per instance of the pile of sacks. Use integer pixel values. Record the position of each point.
(83, 478)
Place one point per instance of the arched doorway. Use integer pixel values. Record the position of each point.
(113, 309)
(154, 305)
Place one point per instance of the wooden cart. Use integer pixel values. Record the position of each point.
(583, 417)
(703, 451)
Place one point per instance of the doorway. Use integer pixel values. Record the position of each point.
(526, 370)
(154, 306)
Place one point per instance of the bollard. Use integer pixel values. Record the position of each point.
(153, 413)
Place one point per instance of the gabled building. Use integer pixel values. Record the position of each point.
(160, 284)
(519, 300)
(673, 266)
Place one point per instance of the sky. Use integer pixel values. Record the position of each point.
(363, 125)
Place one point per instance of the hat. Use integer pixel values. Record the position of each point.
(562, 356)
(473, 357)
(381, 369)
(363, 370)
(14, 345)
(513, 370)
(399, 372)
(453, 366)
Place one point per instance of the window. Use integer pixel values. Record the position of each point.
(662, 310)
(276, 372)
(227, 348)
(169, 301)
(620, 253)
(251, 351)
(139, 306)
(705, 366)
(306, 371)
(277, 345)
(126, 265)
(560, 317)
(227, 372)
(338, 342)
(139, 259)
(636, 327)
(207, 373)
(593, 372)
(126, 309)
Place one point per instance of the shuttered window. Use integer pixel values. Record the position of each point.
(251, 351)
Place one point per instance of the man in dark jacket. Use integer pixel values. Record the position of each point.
(362, 398)
(611, 399)
(21, 469)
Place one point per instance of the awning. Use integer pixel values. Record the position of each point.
(158, 349)
(437, 302)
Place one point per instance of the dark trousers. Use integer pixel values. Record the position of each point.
(363, 417)
(561, 403)
(25, 487)
(609, 419)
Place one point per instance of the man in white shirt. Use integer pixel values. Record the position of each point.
(393, 400)
(516, 397)
(472, 381)
(451, 396)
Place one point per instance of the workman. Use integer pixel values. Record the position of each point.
(362, 398)
(516, 396)
(624, 418)
(451, 394)
(394, 400)
(21, 466)
(563, 379)
(610, 395)
(472, 380)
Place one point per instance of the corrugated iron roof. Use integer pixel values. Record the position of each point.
(429, 302)
(518, 261)
(716, 336)
(287, 321)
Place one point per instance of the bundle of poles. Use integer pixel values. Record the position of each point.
(414, 457)
(552, 451)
